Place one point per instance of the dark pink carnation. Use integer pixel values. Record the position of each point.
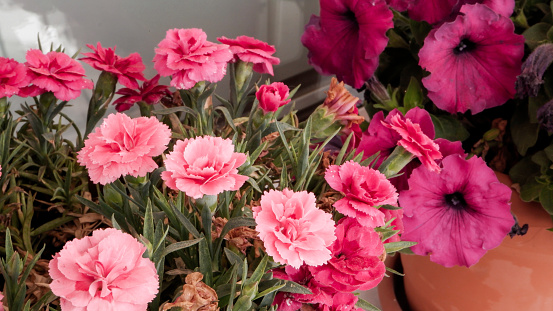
(13, 76)
(473, 61)
(251, 50)
(364, 189)
(187, 56)
(291, 301)
(456, 215)
(127, 69)
(347, 39)
(292, 228)
(123, 146)
(204, 166)
(356, 259)
(416, 142)
(54, 72)
(105, 271)
(341, 302)
(150, 93)
(273, 96)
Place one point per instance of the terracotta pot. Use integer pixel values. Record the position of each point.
(517, 275)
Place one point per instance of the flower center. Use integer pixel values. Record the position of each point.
(350, 16)
(464, 46)
(456, 201)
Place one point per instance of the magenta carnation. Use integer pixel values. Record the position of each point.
(150, 93)
(123, 146)
(272, 96)
(356, 259)
(127, 69)
(456, 215)
(347, 39)
(416, 142)
(187, 56)
(54, 72)
(251, 50)
(364, 189)
(292, 301)
(341, 302)
(13, 76)
(473, 61)
(204, 166)
(292, 228)
(397, 222)
(105, 271)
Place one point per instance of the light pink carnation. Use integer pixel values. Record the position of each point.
(123, 146)
(204, 166)
(54, 72)
(416, 142)
(105, 271)
(292, 228)
(356, 262)
(272, 96)
(187, 56)
(364, 189)
(251, 50)
(13, 76)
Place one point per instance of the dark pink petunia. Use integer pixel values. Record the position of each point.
(54, 72)
(150, 92)
(473, 61)
(356, 259)
(456, 215)
(431, 11)
(13, 77)
(127, 69)
(187, 56)
(251, 50)
(347, 39)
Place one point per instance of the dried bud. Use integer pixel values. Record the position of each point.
(545, 116)
(530, 80)
(196, 296)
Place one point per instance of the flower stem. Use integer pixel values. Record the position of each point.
(396, 161)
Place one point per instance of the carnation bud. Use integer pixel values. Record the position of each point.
(530, 80)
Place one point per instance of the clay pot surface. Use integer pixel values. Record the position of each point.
(517, 275)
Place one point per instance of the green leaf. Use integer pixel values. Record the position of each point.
(205, 262)
(234, 259)
(394, 271)
(295, 288)
(526, 167)
(536, 34)
(524, 133)
(397, 246)
(413, 95)
(546, 199)
(180, 245)
(449, 128)
(531, 189)
(365, 305)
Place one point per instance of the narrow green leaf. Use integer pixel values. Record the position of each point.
(179, 245)
(365, 305)
(396, 246)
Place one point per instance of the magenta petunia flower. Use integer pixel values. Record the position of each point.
(127, 69)
(105, 271)
(187, 56)
(251, 50)
(150, 92)
(292, 228)
(473, 61)
(347, 39)
(356, 262)
(54, 72)
(415, 141)
(292, 301)
(456, 215)
(431, 11)
(13, 77)
(272, 96)
(204, 166)
(364, 189)
(123, 146)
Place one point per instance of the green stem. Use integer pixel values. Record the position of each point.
(396, 161)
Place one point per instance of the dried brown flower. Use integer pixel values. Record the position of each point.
(196, 296)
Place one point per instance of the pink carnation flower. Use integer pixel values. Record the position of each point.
(105, 271)
(292, 301)
(364, 189)
(272, 96)
(347, 39)
(13, 76)
(473, 61)
(204, 166)
(456, 215)
(54, 72)
(1, 303)
(251, 50)
(356, 259)
(187, 56)
(123, 146)
(341, 302)
(150, 92)
(127, 69)
(292, 228)
(416, 142)
(397, 222)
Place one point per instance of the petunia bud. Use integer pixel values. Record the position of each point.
(530, 80)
